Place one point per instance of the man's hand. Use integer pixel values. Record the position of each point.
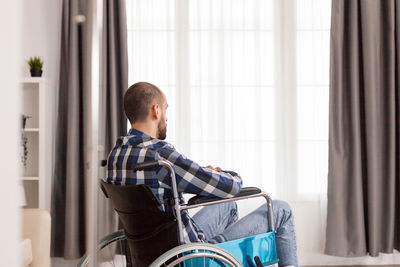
(215, 169)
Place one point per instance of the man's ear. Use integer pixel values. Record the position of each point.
(155, 111)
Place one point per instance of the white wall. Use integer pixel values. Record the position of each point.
(41, 37)
(10, 197)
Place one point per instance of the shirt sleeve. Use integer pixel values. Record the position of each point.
(194, 179)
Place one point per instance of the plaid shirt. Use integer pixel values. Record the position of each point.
(139, 147)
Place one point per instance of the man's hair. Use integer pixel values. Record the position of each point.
(138, 100)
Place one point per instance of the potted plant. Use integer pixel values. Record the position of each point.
(24, 140)
(24, 143)
(35, 65)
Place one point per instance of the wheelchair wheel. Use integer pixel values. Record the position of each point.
(196, 254)
(109, 251)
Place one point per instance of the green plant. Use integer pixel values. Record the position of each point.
(24, 142)
(35, 63)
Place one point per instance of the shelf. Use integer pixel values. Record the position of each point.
(27, 178)
(31, 130)
(36, 174)
(31, 188)
(33, 80)
(30, 100)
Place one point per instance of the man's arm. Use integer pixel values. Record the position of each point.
(194, 179)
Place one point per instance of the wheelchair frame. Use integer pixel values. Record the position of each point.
(179, 208)
(216, 252)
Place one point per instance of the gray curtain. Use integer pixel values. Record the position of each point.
(68, 194)
(364, 128)
(114, 84)
(68, 199)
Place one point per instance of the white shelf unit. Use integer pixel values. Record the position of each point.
(31, 130)
(36, 175)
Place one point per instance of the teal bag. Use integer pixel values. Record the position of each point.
(244, 250)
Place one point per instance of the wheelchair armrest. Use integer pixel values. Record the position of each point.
(145, 165)
(246, 191)
(137, 166)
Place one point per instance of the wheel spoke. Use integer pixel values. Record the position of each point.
(181, 256)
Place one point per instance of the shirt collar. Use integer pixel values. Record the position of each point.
(136, 132)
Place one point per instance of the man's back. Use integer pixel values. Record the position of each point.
(139, 147)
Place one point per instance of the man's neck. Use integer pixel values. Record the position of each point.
(146, 128)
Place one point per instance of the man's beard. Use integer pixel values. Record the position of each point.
(162, 130)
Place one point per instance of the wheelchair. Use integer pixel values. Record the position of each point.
(151, 237)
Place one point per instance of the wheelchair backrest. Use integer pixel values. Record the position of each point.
(149, 230)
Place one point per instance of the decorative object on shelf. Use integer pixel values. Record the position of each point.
(24, 118)
(35, 65)
(24, 140)
(24, 143)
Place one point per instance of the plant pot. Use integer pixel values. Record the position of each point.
(36, 73)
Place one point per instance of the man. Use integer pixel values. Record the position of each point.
(145, 106)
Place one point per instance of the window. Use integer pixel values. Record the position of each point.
(313, 31)
(246, 82)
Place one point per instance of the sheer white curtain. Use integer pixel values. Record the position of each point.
(247, 86)
(312, 105)
(231, 88)
(313, 32)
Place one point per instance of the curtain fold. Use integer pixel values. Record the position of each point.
(68, 194)
(113, 123)
(68, 200)
(364, 129)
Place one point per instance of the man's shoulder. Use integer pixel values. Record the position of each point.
(143, 143)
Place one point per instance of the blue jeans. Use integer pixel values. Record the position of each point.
(220, 223)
